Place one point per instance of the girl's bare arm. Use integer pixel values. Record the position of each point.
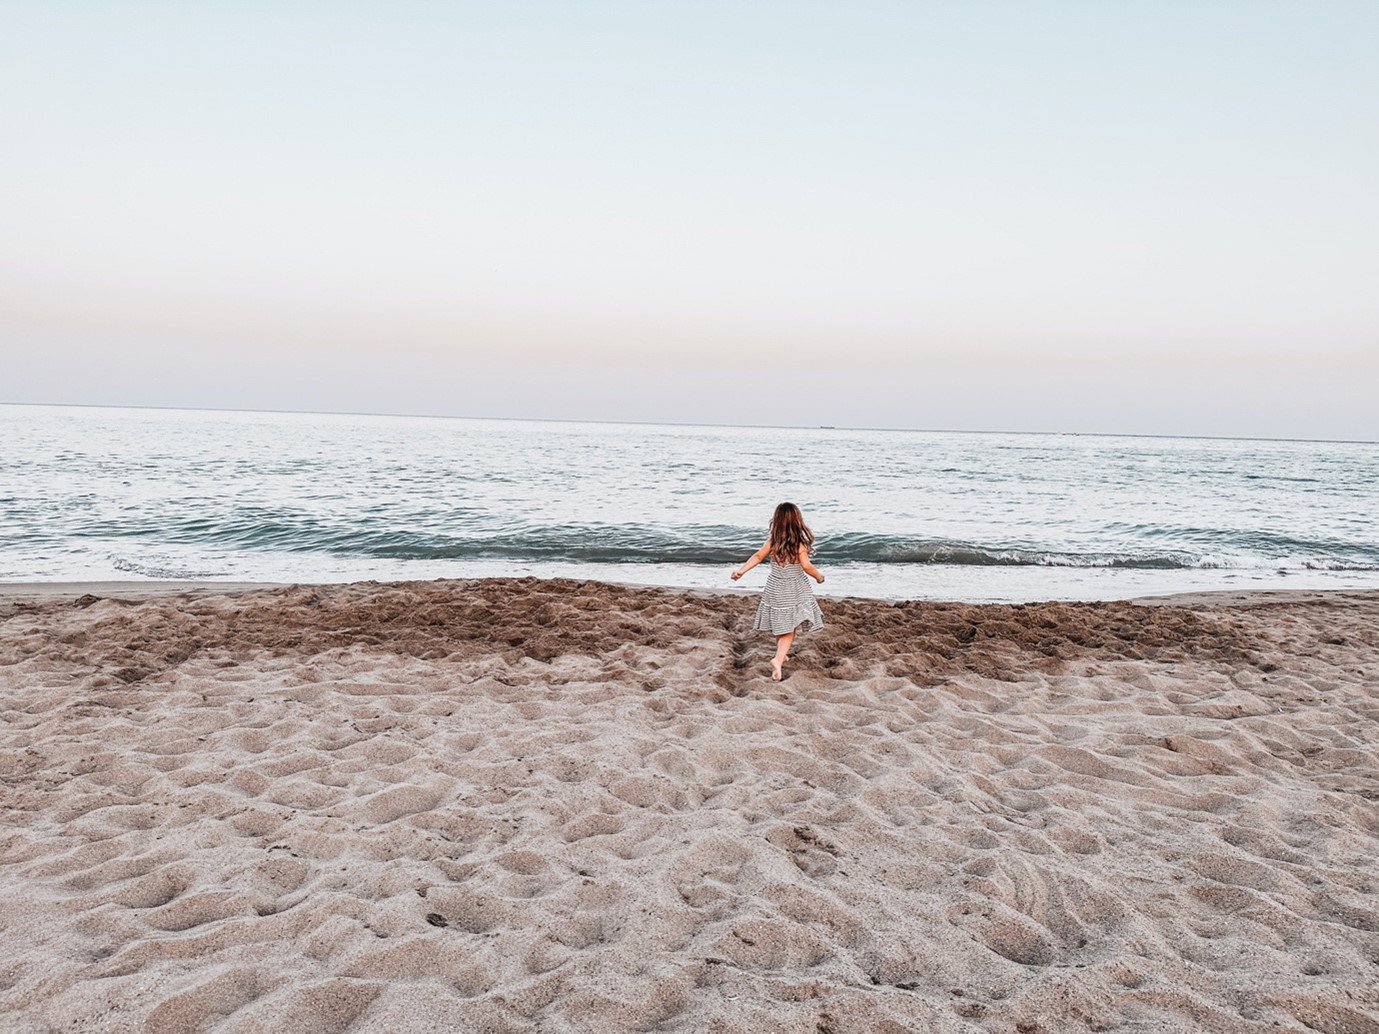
(752, 561)
(809, 568)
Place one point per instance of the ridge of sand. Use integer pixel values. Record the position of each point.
(124, 590)
(572, 806)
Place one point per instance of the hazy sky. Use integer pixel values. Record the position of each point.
(1139, 215)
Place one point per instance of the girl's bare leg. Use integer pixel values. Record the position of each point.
(782, 648)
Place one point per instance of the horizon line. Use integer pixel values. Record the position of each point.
(687, 423)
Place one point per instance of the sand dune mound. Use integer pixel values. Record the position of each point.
(567, 806)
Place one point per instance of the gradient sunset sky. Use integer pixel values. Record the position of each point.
(1148, 217)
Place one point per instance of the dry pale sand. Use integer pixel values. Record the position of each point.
(561, 806)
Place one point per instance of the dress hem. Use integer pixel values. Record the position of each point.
(804, 618)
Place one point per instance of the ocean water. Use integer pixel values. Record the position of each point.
(95, 494)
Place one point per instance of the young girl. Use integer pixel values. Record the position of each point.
(787, 602)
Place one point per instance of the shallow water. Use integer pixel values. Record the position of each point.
(126, 493)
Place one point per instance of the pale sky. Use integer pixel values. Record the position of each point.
(1139, 216)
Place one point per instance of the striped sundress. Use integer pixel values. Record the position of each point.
(787, 602)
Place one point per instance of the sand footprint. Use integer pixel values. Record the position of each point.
(595, 824)
(812, 853)
(328, 1007)
(205, 1005)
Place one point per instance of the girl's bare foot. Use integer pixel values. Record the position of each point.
(775, 671)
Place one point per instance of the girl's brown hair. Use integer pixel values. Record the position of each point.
(789, 534)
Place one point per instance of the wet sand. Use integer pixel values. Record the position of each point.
(573, 806)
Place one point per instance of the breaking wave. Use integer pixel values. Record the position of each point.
(382, 538)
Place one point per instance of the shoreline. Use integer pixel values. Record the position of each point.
(154, 588)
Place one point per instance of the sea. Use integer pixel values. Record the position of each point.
(93, 494)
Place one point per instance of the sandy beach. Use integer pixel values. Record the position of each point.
(511, 805)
